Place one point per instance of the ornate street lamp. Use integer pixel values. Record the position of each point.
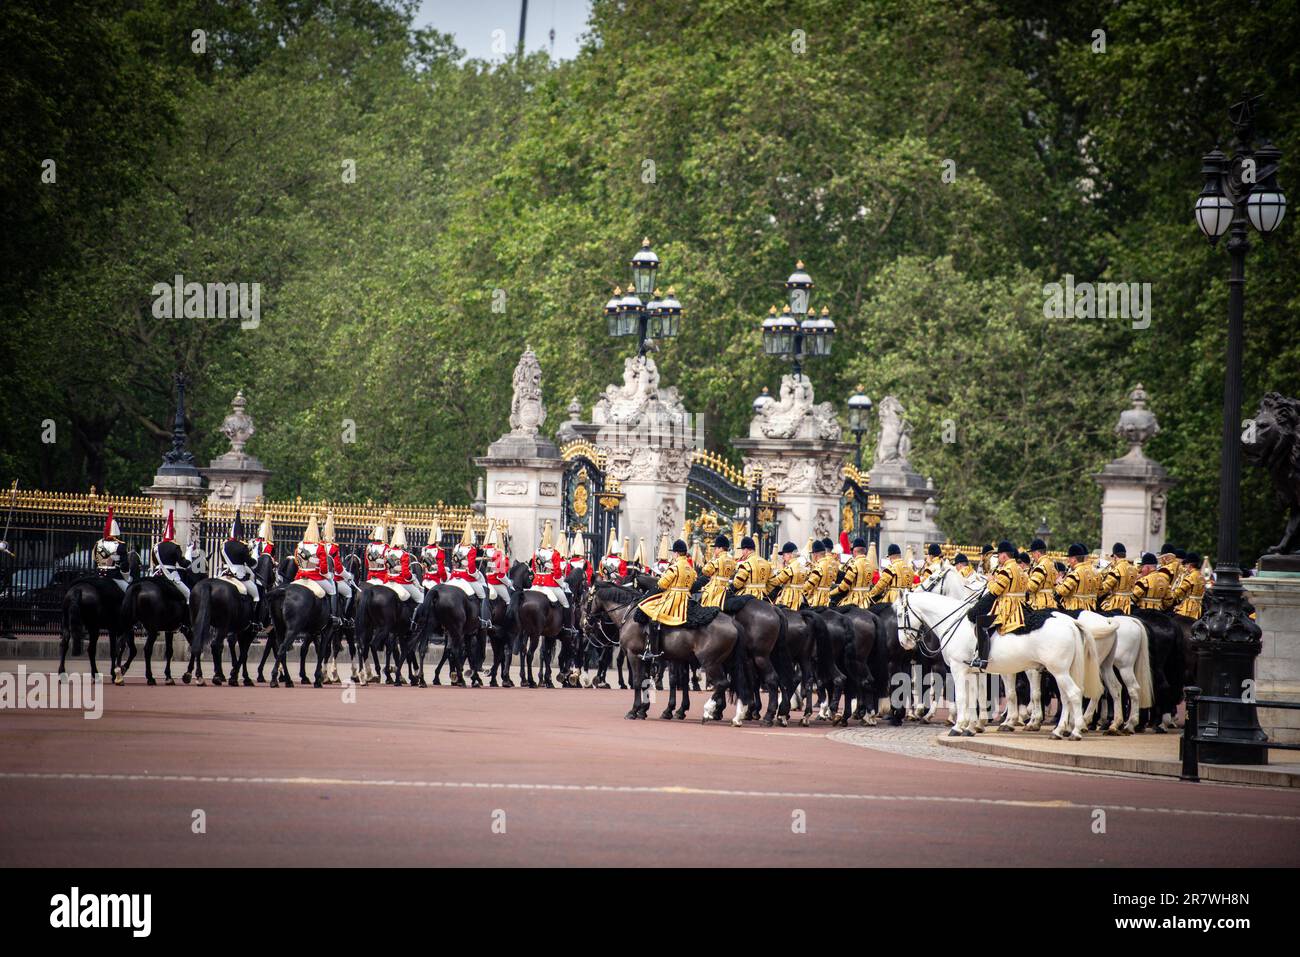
(1044, 532)
(1238, 192)
(179, 460)
(859, 416)
(640, 311)
(798, 333)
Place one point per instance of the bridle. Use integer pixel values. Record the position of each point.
(905, 625)
(599, 621)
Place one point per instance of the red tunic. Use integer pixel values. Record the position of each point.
(496, 573)
(439, 575)
(403, 574)
(378, 572)
(336, 560)
(466, 574)
(547, 578)
(316, 574)
(576, 563)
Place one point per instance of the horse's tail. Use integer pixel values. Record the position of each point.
(360, 628)
(72, 623)
(740, 666)
(202, 623)
(822, 643)
(781, 659)
(1146, 693)
(1083, 668)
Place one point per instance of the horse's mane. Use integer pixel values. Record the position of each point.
(616, 594)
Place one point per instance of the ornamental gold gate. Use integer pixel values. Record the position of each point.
(590, 499)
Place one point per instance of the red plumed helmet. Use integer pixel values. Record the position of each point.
(169, 534)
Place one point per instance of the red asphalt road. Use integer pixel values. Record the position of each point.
(419, 777)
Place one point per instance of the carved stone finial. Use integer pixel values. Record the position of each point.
(527, 414)
(795, 415)
(238, 425)
(1137, 425)
(575, 410)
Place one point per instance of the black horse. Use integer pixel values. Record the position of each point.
(542, 621)
(90, 605)
(505, 625)
(220, 609)
(298, 615)
(383, 620)
(157, 605)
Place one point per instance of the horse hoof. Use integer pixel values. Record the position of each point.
(507, 683)
(681, 715)
(768, 722)
(248, 682)
(185, 678)
(169, 681)
(150, 681)
(200, 682)
(1159, 729)
(954, 733)
(316, 684)
(1006, 727)
(493, 683)
(968, 733)
(667, 714)
(804, 722)
(621, 686)
(1075, 736)
(1110, 733)
(631, 715)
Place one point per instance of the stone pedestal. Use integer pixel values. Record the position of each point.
(1276, 597)
(524, 478)
(235, 477)
(910, 503)
(182, 492)
(653, 479)
(807, 475)
(1134, 487)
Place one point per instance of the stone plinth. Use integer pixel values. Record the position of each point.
(653, 478)
(807, 475)
(235, 477)
(524, 478)
(1133, 502)
(182, 492)
(909, 501)
(1276, 597)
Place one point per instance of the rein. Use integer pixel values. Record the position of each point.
(943, 641)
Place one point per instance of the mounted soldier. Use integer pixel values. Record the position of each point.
(856, 584)
(434, 558)
(963, 565)
(753, 571)
(1005, 599)
(498, 566)
(376, 552)
(578, 560)
(896, 578)
(548, 570)
(821, 575)
(1116, 589)
(1077, 591)
(168, 560)
(341, 578)
(1154, 584)
(789, 580)
(237, 562)
(1042, 576)
(720, 569)
(1190, 595)
(399, 565)
(664, 558)
(312, 558)
(613, 566)
(933, 562)
(111, 554)
(264, 543)
(668, 606)
(465, 574)
(988, 560)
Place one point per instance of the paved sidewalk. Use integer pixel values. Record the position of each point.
(1146, 753)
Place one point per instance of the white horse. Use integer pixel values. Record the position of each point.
(1063, 646)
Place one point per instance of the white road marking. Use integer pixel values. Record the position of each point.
(635, 789)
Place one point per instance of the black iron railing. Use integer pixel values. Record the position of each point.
(1192, 738)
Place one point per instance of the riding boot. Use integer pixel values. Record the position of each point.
(983, 639)
(334, 610)
(483, 623)
(652, 642)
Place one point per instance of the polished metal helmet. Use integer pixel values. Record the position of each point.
(375, 551)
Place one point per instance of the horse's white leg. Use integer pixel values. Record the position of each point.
(1071, 708)
(738, 718)
(1112, 685)
(1129, 676)
(959, 712)
(1012, 717)
(1035, 679)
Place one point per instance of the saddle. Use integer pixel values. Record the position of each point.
(697, 616)
(236, 582)
(399, 590)
(312, 586)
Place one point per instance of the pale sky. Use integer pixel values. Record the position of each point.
(473, 22)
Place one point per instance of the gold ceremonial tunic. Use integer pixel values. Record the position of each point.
(752, 576)
(895, 579)
(1117, 586)
(1152, 591)
(668, 607)
(720, 568)
(856, 582)
(1008, 584)
(932, 566)
(1190, 602)
(1042, 581)
(790, 579)
(1078, 590)
(817, 589)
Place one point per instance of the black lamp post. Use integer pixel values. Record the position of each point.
(797, 333)
(1044, 531)
(1238, 191)
(859, 416)
(629, 314)
(179, 460)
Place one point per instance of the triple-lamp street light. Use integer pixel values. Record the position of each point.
(629, 314)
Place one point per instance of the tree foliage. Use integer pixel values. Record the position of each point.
(740, 136)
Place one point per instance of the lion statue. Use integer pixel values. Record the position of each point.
(1275, 446)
